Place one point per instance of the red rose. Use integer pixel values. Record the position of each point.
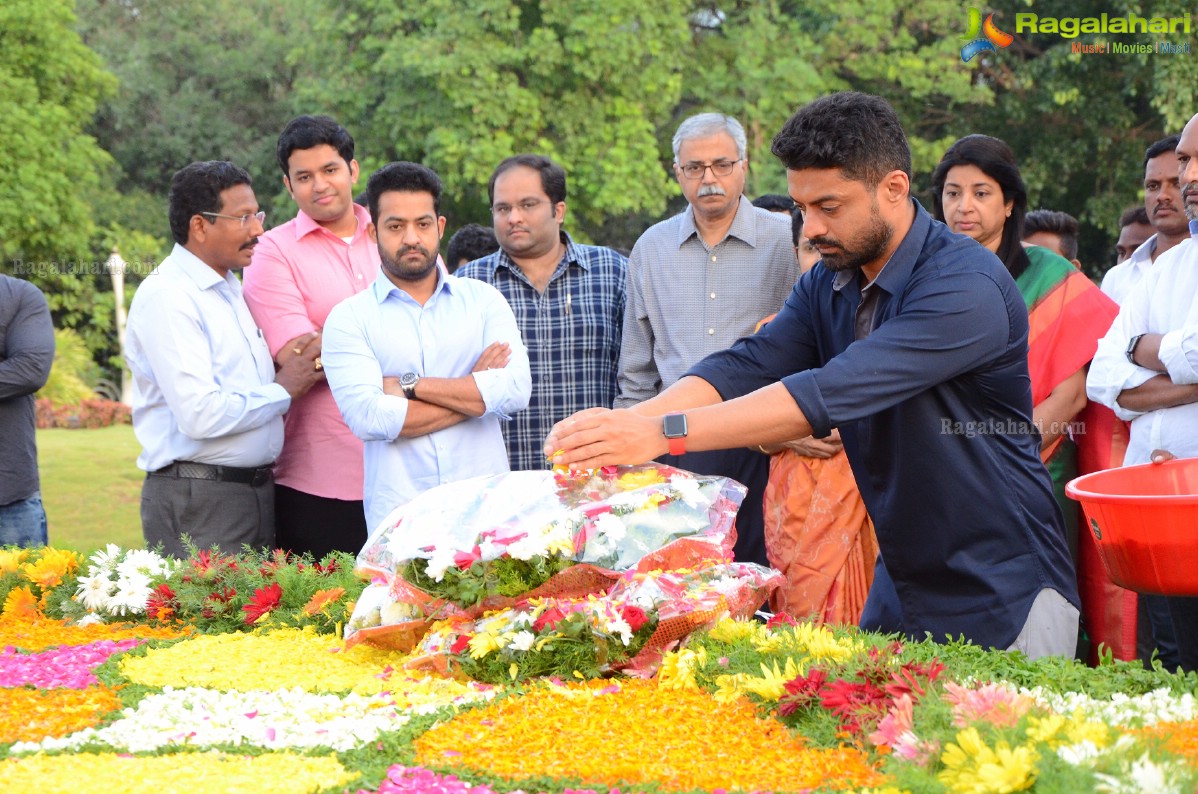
(780, 619)
(460, 644)
(634, 616)
(549, 619)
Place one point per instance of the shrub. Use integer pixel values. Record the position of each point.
(87, 414)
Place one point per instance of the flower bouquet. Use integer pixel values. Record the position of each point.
(545, 637)
(482, 544)
(626, 630)
(684, 601)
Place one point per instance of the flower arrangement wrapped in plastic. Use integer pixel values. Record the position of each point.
(485, 543)
(628, 629)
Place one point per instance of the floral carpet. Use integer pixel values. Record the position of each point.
(125, 673)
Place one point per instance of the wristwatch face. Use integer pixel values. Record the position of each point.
(408, 379)
(674, 426)
(1131, 348)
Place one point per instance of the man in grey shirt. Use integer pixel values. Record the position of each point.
(699, 281)
(26, 354)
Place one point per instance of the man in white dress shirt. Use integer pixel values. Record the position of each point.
(1146, 367)
(423, 365)
(207, 403)
(1163, 203)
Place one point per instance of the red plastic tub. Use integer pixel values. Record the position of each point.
(1145, 521)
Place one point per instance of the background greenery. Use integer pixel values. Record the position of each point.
(103, 100)
(91, 487)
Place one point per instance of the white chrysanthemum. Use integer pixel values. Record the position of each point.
(690, 491)
(726, 585)
(95, 590)
(195, 717)
(619, 627)
(521, 620)
(611, 527)
(523, 640)
(490, 550)
(141, 561)
(130, 596)
(105, 561)
(439, 562)
(89, 619)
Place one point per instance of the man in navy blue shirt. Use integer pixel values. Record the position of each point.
(913, 342)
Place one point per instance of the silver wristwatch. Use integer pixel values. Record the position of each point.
(408, 382)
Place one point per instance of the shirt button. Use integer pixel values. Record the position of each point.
(713, 296)
(359, 277)
(713, 257)
(711, 332)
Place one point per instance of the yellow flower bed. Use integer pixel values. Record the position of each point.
(181, 773)
(42, 633)
(30, 715)
(287, 659)
(634, 732)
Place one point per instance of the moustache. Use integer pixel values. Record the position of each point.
(1189, 189)
(407, 249)
(711, 190)
(250, 244)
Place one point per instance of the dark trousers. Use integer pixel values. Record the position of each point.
(318, 525)
(1184, 614)
(751, 469)
(227, 515)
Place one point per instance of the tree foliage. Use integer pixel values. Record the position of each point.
(51, 84)
(587, 83)
(599, 85)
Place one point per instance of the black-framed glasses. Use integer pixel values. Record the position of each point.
(244, 220)
(695, 170)
(525, 207)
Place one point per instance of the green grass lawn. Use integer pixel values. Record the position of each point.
(91, 487)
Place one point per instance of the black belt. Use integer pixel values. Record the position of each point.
(206, 471)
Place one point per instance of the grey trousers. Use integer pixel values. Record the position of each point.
(225, 514)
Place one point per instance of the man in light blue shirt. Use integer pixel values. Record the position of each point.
(207, 402)
(423, 365)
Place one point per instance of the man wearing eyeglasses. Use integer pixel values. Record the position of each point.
(207, 401)
(302, 269)
(699, 281)
(568, 300)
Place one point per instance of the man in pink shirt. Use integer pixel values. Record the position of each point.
(302, 269)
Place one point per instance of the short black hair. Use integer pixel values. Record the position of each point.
(796, 226)
(470, 242)
(308, 132)
(858, 133)
(994, 158)
(403, 177)
(774, 202)
(1136, 214)
(553, 176)
(1062, 224)
(1163, 146)
(196, 188)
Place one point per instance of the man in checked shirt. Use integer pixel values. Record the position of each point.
(568, 300)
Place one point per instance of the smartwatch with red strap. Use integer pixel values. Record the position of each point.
(673, 427)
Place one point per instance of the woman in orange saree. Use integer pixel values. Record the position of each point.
(817, 532)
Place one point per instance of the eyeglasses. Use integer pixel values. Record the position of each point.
(525, 207)
(244, 220)
(719, 168)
